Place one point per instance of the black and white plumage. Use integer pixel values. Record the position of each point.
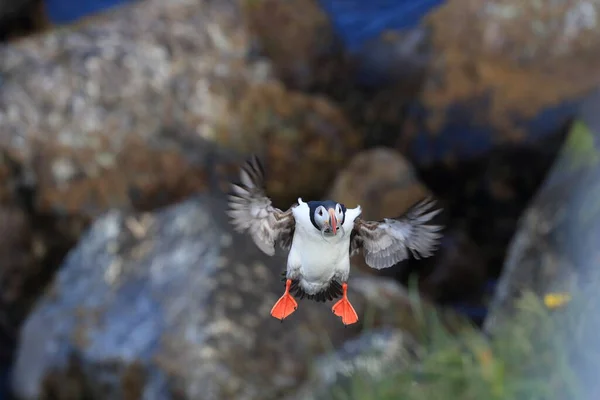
(322, 236)
(251, 211)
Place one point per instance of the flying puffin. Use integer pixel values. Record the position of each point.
(321, 236)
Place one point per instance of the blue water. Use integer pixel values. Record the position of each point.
(355, 20)
(359, 20)
(68, 11)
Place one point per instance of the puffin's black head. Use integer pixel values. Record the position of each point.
(327, 215)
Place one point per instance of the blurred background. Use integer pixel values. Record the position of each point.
(122, 122)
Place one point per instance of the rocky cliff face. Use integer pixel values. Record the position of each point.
(137, 109)
(119, 135)
(173, 304)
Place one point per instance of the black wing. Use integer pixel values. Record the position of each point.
(387, 242)
(251, 211)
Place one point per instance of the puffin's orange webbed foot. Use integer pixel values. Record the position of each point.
(286, 304)
(344, 309)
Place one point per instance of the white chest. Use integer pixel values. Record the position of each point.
(320, 258)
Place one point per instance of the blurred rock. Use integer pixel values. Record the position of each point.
(297, 37)
(381, 181)
(71, 147)
(504, 79)
(369, 356)
(304, 139)
(372, 84)
(386, 185)
(116, 108)
(173, 304)
(502, 72)
(555, 251)
(142, 107)
(555, 248)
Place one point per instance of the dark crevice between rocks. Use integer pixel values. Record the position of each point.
(483, 200)
(379, 82)
(21, 18)
(377, 111)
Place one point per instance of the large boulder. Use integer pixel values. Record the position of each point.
(382, 181)
(110, 112)
(490, 117)
(174, 304)
(298, 39)
(306, 41)
(493, 80)
(557, 236)
(554, 257)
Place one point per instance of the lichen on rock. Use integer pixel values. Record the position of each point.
(523, 57)
(115, 108)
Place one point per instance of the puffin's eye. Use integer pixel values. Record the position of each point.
(320, 212)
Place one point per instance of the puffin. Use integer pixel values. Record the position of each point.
(322, 236)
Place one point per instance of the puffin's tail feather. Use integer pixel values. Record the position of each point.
(333, 291)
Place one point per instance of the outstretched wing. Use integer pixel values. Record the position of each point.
(251, 211)
(387, 242)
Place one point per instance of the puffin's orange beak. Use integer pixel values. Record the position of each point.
(333, 220)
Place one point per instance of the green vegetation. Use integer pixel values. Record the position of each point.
(539, 354)
(579, 148)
